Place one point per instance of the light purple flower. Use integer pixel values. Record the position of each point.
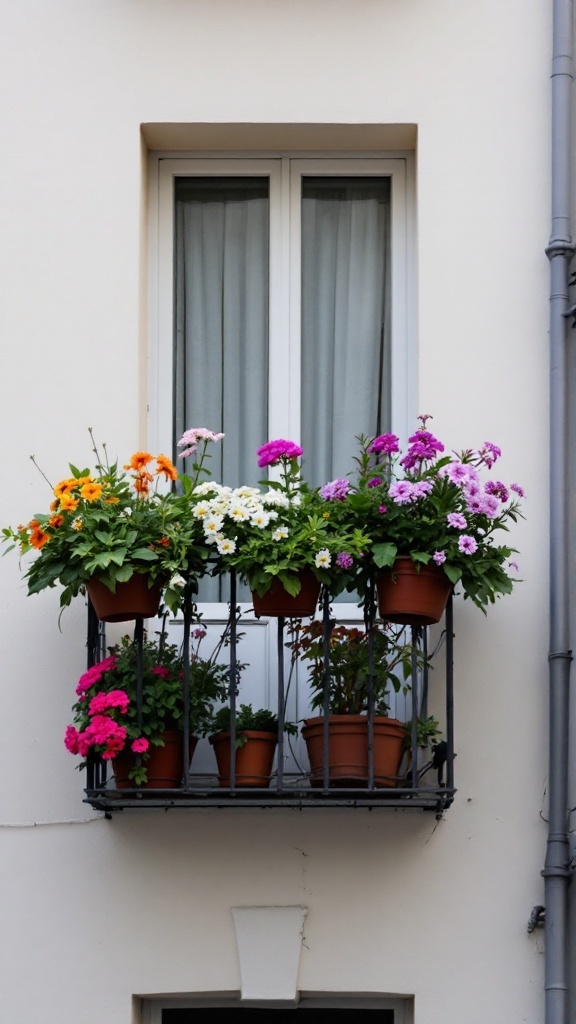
(401, 492)
(457, 472)
(387, 443)
(457, 520)
(467, 544)
(190, 439)
(515, 566)
(344, 560)
(519, 490)
(421, 488)
(439, 557)
(336, 490)
(272, 452)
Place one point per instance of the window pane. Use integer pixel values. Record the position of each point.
(345, 319)
(221, 318)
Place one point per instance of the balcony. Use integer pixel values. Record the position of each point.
(423, 780)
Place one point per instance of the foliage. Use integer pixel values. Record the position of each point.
(278, 532)
(349, 671)
(106, 719)
(247, 719)
(434, 508)
(111, 523)
(428, 732)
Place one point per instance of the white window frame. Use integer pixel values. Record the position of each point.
(284, 172)
(403, 1007)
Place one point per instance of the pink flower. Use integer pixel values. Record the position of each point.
(140, 746)
(104, 701)
(190, 439)
(272, 452)
(71, 739)
(161, 671)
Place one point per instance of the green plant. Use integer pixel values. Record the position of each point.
(111, 523)
(436, 509)
(106, 716)
(349, 673)
(276, 533)
(428, 732)
(247, 719)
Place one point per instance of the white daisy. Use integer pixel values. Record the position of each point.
(323, 559)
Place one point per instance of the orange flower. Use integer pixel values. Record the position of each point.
(164, 465)
(91, 491)
(139, 460)
(38, 538)
(84, 480)
(56, 520)
(68, 503)
(141, 485)
(164, 541)
(33, 524)
(65, 487)
(54, 505)
(111, 500)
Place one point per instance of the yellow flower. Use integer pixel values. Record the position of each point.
(65, 487)
(68, 503)
(91, 491)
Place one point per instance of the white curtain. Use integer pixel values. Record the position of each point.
(345, 319)
(221, 328)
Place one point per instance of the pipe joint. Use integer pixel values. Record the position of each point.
(560, 247)
(560, 656)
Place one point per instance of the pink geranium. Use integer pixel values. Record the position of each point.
(271, 453)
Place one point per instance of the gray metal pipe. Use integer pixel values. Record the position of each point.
(559, 251)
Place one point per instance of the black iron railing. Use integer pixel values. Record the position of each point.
(424, 780)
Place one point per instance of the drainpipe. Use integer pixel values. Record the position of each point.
(559, 252)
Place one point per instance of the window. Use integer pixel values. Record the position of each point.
(344, 1010)
(282, 306)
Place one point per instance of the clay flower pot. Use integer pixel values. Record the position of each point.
(348, 750)
(164, 765)
(253, 760)
(131, 600)
(277, 601)
(412, 595)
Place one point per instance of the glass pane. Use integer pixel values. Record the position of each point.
(221, 318)
(345, 319)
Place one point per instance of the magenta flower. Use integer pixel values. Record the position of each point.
(382, 509)
(336, 490)
(71, 739)
(489, 453)
(497, 488)
(344, 560)
(375, 481)
(387, 443)
(271, 453)
(140, 746)
(199, 633)
(104, 701)
(467, 544)
(159, 670)
(457, 520)
(519, 490)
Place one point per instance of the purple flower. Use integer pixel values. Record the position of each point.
(497, 488)
(374, 481)
(401, 492)
(423, 447)
(457, 520)
(336, 490)
(519, 490)
(489, 453)
(467, 544)
(344, 560)
(439, 557)
(382, 509)
(421, 488)
(272, 452)
(387, 443)
(515, 566)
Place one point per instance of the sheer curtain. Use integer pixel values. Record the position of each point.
(221, 318)
(345, 319)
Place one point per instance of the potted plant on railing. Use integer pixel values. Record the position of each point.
(117, 534)
(352, 678)
(256, 740)
(145, 748)
(280, 540)
(433, 523)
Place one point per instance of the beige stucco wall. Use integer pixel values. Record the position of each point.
(94, 911)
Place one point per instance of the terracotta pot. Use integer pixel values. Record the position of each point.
(131, 600)
(278, 601)
(164, 764)
(348, 750)
(253, 760)
(411, 595)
